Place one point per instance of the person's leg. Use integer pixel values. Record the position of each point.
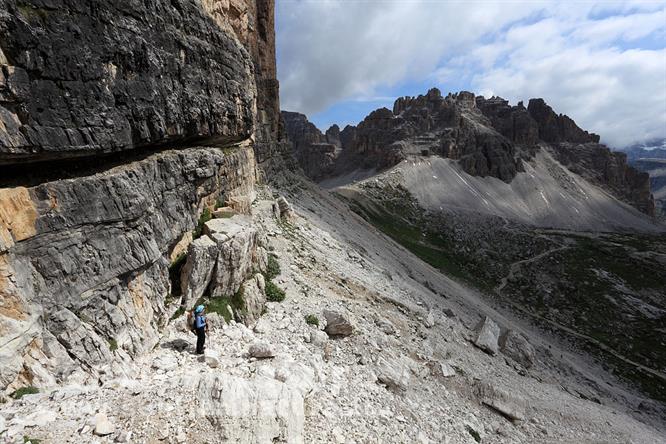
(201, 337)
(203, 341)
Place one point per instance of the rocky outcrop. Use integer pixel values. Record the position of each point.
(554, 128)
(85, 261)
(610, 170)
(315, 152)
(487, 137)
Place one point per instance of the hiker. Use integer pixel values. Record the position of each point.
(200, 327)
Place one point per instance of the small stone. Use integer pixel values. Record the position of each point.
(441, 369)
(430, 320)
(337, 324)
(103, 426)
(211, 358)
(123, 437)
(261, 350)
(487, 336)
(318, 337)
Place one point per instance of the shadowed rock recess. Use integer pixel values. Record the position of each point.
(86, 247)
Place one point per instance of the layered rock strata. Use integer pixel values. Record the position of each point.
(155, 111)
(85, 262)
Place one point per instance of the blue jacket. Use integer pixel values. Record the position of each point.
(200, 321)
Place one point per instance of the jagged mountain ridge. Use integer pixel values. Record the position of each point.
(487, 137)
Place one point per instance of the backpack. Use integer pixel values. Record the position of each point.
(191, 321)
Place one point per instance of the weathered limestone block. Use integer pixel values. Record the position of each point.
(394, 372)
(509, 404)
(487, 336)
(239, 253)
(198, 270)
(250, 410)
(254, 300)
(79, 338)
(337, 324)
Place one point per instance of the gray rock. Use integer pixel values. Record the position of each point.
(198, 270)
(318, 337)
(337, 324)
(385, 326)
(517, 347)
(394, 372)
(441, 369)
(181, 78)
(429, 320)
(211, 358)
(254, 298)
(487, 336)
(257, 410)
(261, 350)
(239, 254)
(101, 255)
(508, 404)
(103, 426)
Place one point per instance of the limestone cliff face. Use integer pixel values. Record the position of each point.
(121, 95)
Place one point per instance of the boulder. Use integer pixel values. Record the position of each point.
(239, 253)
(284, 208)
(261, 350)
(223, 213)
(198, 270)
(254, 300)
(511, 405)
(258, 410)
(517, 347)
(337, 324)
(103, 426)
(165, 363)
(487, 336)
(394, 372)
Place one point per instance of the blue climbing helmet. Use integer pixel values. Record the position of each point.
(199, 309)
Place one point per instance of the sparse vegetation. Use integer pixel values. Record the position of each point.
(274, 293)
(312, 320)
(113, 344)
(273, 267)
(178, 313)
(29, 390)
(206, 215)
(27, 439)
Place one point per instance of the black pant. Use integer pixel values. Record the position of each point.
(201, 339)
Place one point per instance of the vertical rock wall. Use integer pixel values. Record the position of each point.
(123, 95)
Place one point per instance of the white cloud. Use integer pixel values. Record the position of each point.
(603, 63)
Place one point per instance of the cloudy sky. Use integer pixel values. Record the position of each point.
(601, 62)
